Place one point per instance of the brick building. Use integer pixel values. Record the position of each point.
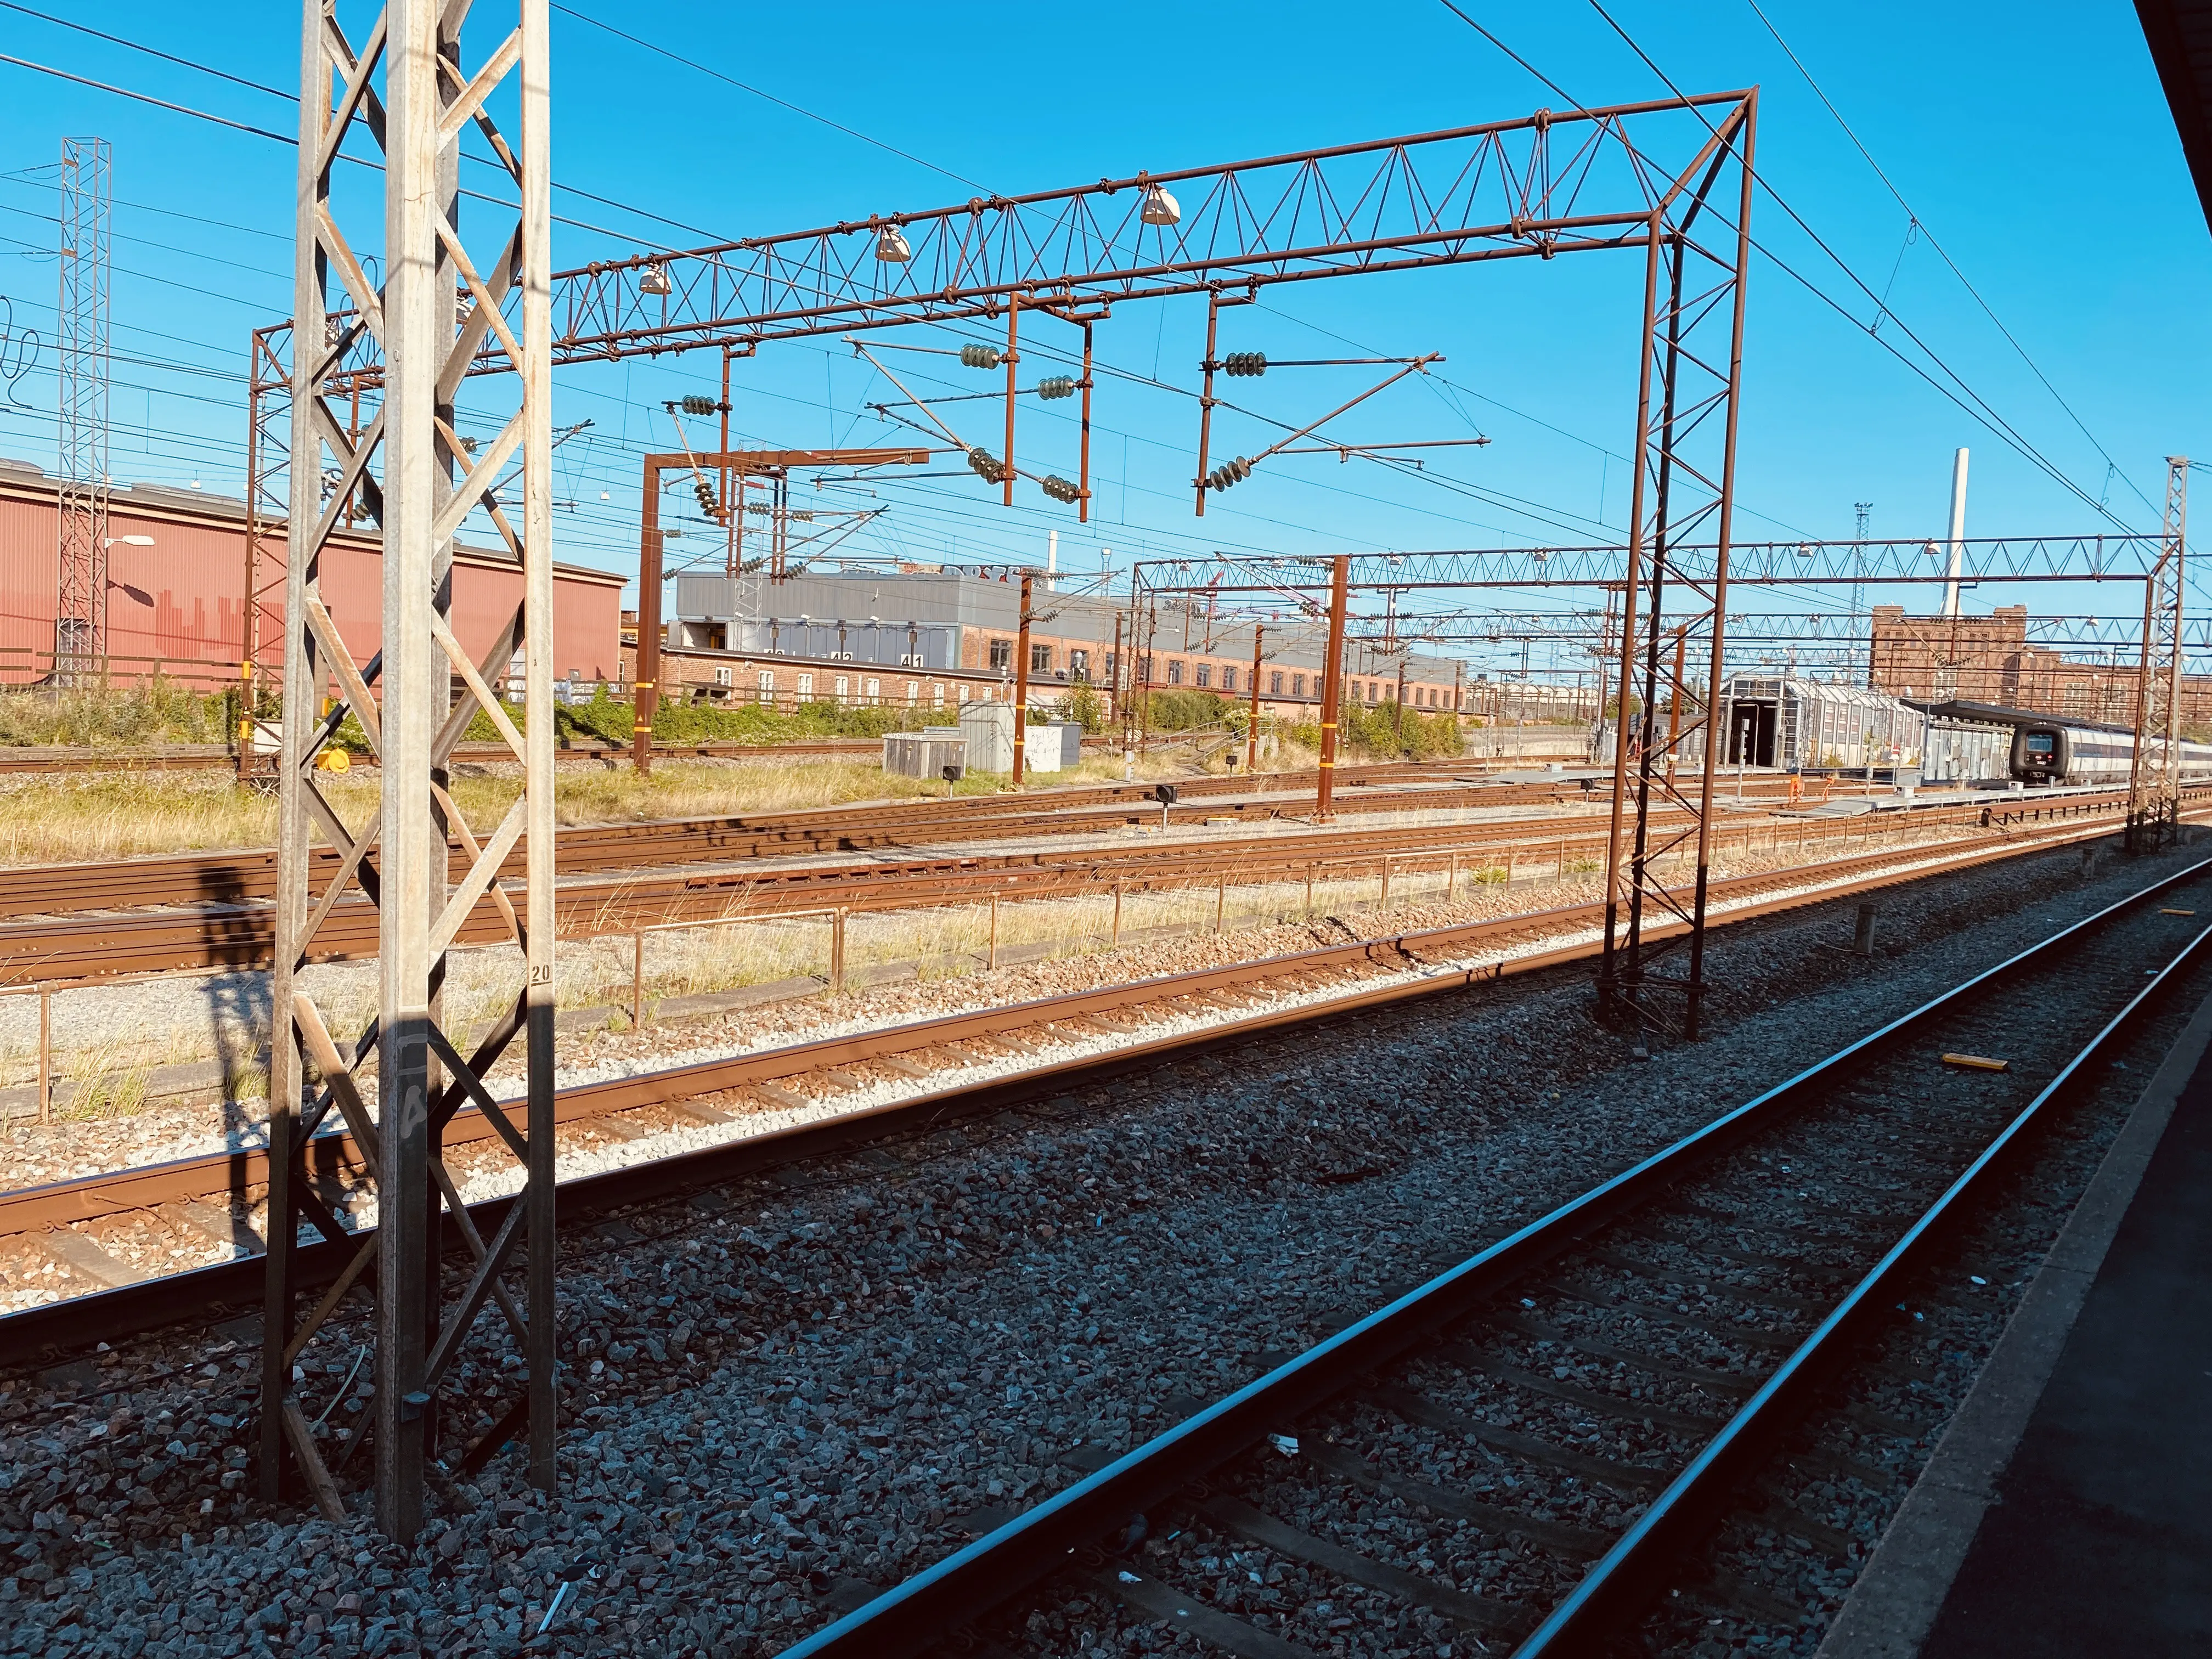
(1990, 659)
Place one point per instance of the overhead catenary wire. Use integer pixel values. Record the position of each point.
(255, 131)
(1507, 503)
(357, 161)
(1943, 253)
(1969, 401)
(769, 97)
(1973, 403)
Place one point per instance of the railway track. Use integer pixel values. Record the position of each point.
(118, 1237)
(251, 873)
(1530, 1447)
(228, 931)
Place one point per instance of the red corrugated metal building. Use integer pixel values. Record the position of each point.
(174, 606)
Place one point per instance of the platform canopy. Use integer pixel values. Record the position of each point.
(2180, 36)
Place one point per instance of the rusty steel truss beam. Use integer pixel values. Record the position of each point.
(1512, 189)
(2090, 558)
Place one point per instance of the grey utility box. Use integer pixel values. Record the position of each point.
(989, 730)
(923, 754)
(1070, 742)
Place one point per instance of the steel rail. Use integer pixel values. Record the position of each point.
(1698, 1498)
(189, 877)
(221, 932)
(989, 1571)
(113, 1314)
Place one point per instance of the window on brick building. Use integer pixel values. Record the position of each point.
(1206, 673)
(1040, 659)
(1078, 665)
(1298, 685)
(1175, 673)
(1228, 679)
(1274, 686)
(1002, 654)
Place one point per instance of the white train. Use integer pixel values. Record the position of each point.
(2061, 751)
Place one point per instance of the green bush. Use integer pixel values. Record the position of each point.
(158, 712)
(1182, 711)
(1371, 732)
(1085, 705)
(607, 719)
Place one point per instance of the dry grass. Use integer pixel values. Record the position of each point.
(127, 814)
(953, 940)
(111, 1076)
(122, 814)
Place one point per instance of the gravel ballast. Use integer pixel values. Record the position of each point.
(827, 1383)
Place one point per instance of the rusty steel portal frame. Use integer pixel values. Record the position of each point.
(1651, 653)
(1514, 189)
(1690, 357)
(429, 317)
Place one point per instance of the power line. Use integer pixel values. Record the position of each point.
(151, 51)
(358, 160)
(165, 247)
(1943, 253)
(1988, 416)
(1975, 406)
(783, 103)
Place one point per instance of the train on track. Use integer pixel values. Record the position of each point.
(2058, 751)
(2048, 748)
(1809, 726)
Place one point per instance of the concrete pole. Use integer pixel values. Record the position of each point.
(1956, 566)
(417, 323)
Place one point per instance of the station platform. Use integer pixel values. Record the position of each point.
(2067, 1508)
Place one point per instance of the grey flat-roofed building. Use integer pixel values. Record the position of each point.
(952, 621)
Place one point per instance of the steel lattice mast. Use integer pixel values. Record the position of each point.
(81, 545)
(1668, 651)
(2154, 778)
(442, 299)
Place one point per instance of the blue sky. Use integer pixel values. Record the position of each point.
(2032, 140)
